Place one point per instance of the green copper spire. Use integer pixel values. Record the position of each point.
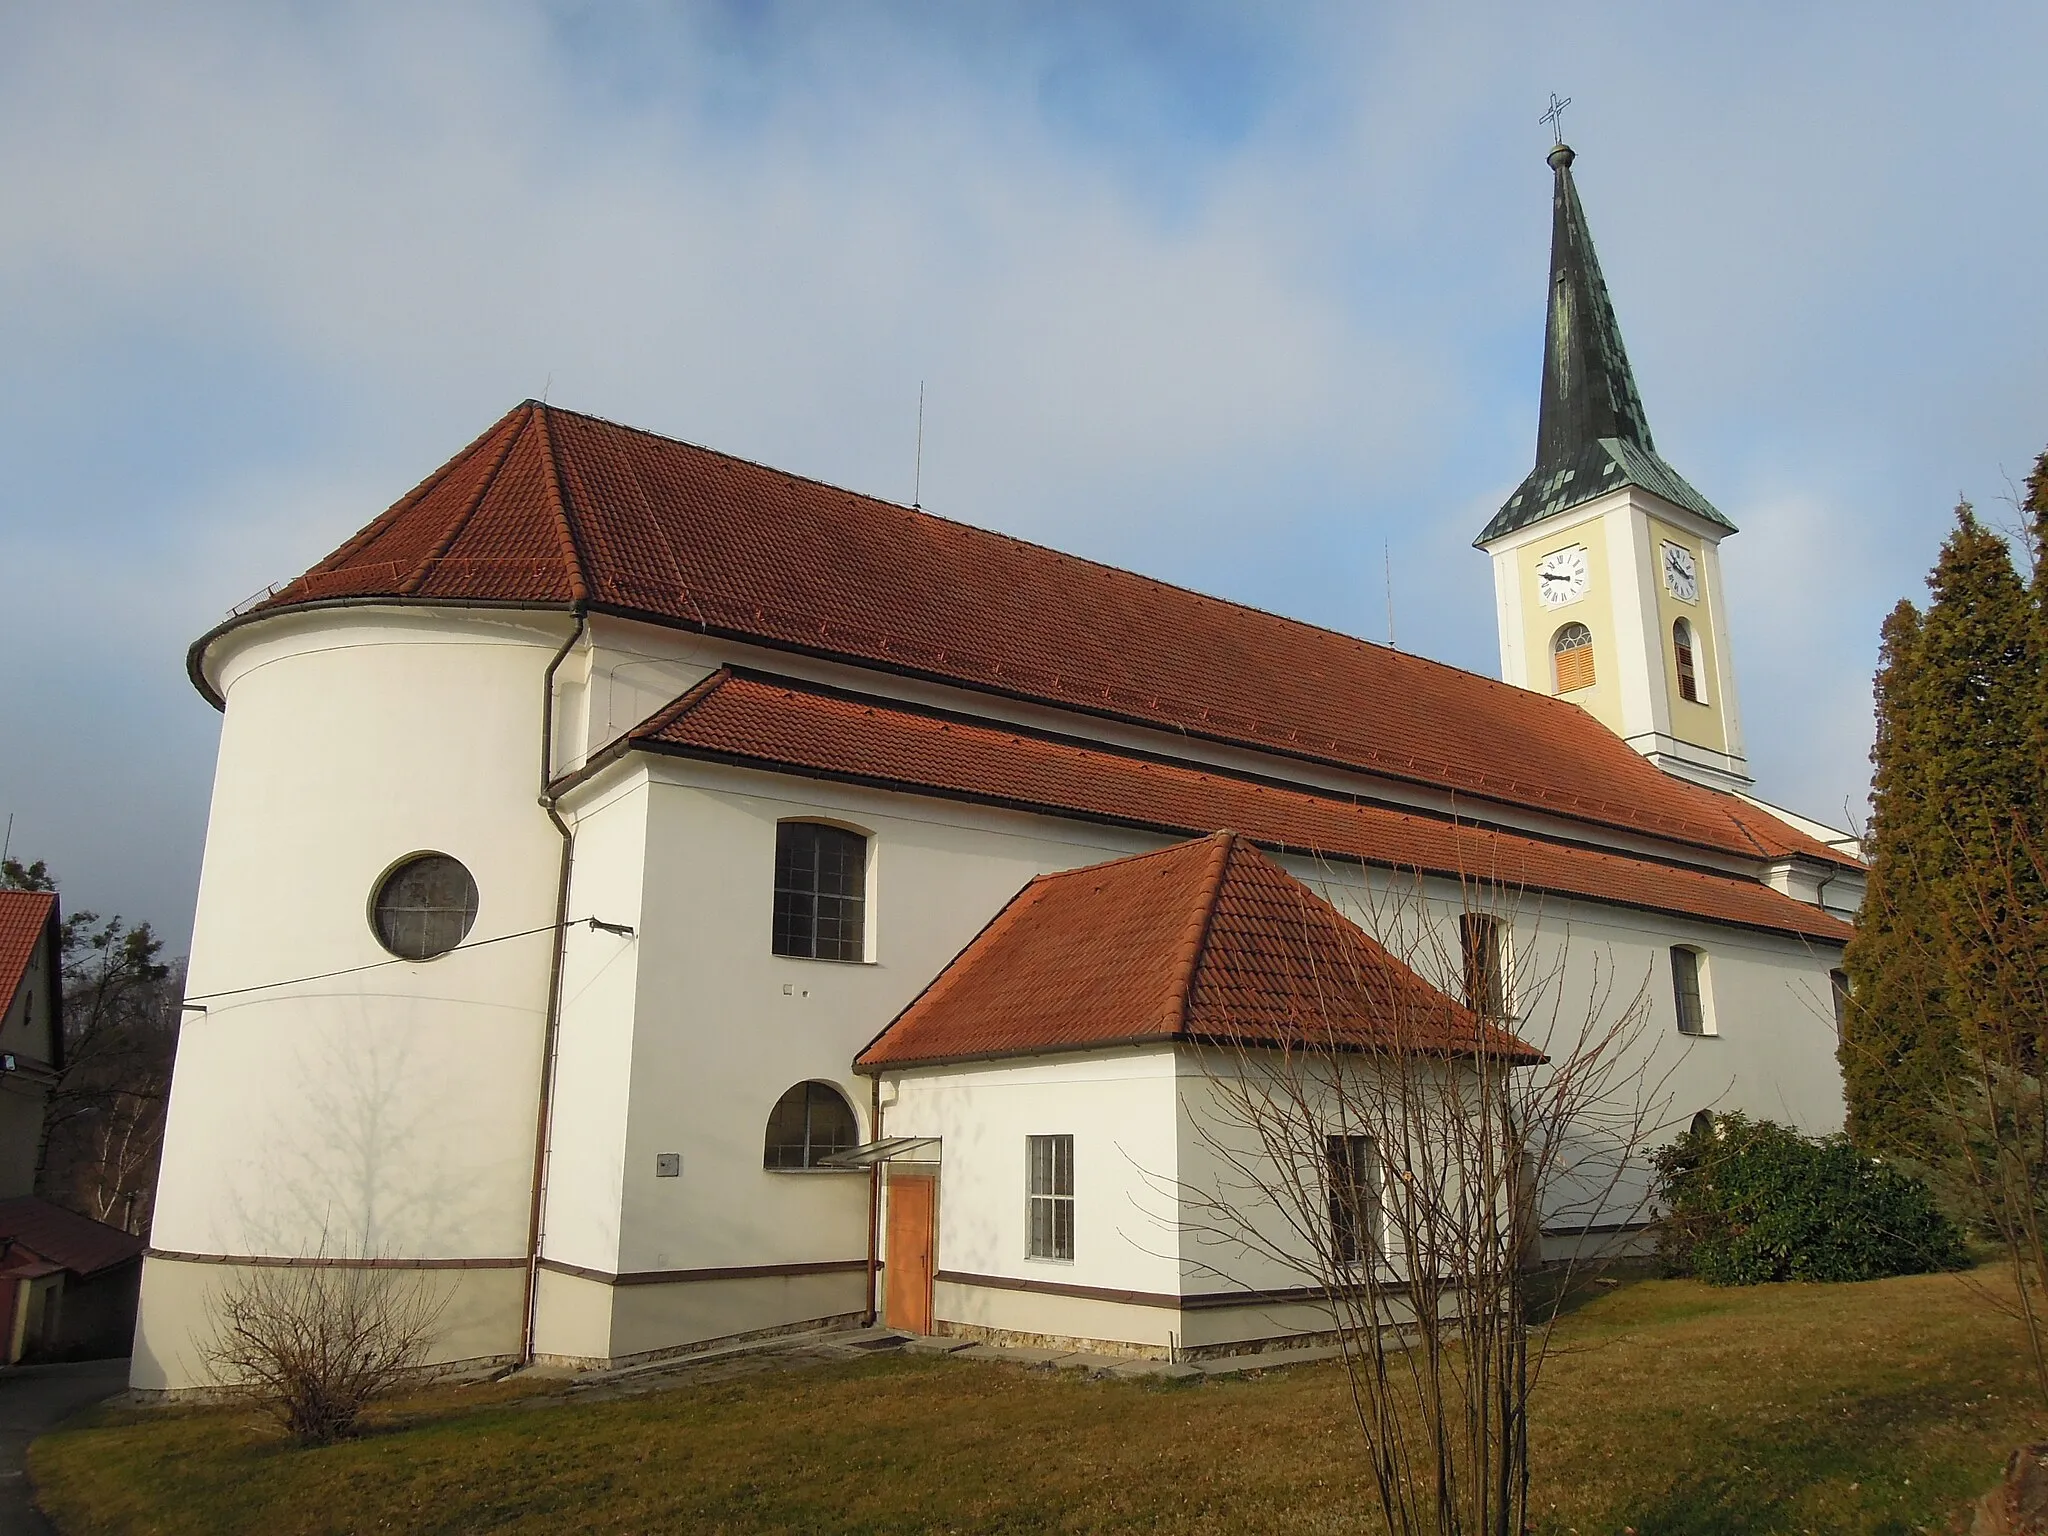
(1592, 437)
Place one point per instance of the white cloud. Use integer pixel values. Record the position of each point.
(1231, 305)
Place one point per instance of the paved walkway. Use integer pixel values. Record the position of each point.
(34, 1398)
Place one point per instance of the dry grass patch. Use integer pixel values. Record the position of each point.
(1672, 1409)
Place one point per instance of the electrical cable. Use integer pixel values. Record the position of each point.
(595, 924)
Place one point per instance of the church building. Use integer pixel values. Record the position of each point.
(660, 900)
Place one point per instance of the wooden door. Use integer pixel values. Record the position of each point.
(913, 1224)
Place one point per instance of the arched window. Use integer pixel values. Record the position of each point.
(1687, 991)
(808, 1123)
(1703, 1123)
(820, 891)
(1688, 673)
(1572, 650)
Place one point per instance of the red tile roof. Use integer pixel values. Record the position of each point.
(785, 725)
(555, 508)
(80, 1244)
(1206, 941)
(24, 918)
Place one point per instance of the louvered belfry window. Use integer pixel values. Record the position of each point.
(1681, 647)
(1572, 647)
(820, 891)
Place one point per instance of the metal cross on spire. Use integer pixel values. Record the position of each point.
(1555, 116)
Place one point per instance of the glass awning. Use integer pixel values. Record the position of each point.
(870, 1153)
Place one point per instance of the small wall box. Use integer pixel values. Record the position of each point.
(668, 1165)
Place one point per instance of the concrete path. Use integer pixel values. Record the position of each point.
(35, 1398)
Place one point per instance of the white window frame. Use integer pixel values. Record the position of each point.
(1703, 977)
(1060, 1148)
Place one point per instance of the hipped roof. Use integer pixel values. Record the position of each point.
(1204, 942)
(788, 726)
(556, 509)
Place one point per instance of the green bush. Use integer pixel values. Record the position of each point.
(1749, 1201)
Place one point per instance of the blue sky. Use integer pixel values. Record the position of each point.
(1245, 297)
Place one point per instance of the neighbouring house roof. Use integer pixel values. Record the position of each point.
(1592, 435)
(788, 726)
(25, 917)
(555, 509)
(1206, 941)
(78, 1243)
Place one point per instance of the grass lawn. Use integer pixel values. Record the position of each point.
(1669, 1407)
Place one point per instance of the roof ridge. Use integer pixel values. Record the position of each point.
(1413, 657)
(1196, 937)
(423, 572)
(565, 529)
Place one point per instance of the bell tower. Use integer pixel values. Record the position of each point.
(1606, 563)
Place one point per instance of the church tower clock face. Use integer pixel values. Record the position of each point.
(1681, 573)
(1562, 577)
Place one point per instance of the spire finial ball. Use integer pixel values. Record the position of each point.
(1560, 157)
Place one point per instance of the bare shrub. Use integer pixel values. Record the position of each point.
(315, 1342)
(1397, 1151)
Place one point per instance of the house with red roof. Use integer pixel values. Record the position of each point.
(652, 899)
(31, 1029)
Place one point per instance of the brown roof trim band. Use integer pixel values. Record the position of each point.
(695, 1276)
(1198, 1301)
(274, 1261)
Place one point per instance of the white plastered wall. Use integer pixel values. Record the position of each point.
(1120, 1108)
(329, 1097)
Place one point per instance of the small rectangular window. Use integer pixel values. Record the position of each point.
(1685, 987)
(1354, 1178)
(1838, 984)
(1479, 939)
(820, 892)
(1051, 1196)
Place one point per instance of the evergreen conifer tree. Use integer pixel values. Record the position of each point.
(1958, 777)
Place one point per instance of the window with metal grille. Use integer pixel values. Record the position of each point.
(820, 891)
(424, 907)
(1050, 1197)
(1572, 649)
(809, 1122)
(1685, 988)
(1479, 938)
(1688, 675)
(1353, 1170)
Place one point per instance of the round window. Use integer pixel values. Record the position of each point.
(424, 907)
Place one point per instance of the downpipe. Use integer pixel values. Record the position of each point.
(544, 1109)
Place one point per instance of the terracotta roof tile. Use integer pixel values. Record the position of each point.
(24, 918)
(79, 1243)
(1776, 839)
(550, 506)
(783, 724)
(1206, 941)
